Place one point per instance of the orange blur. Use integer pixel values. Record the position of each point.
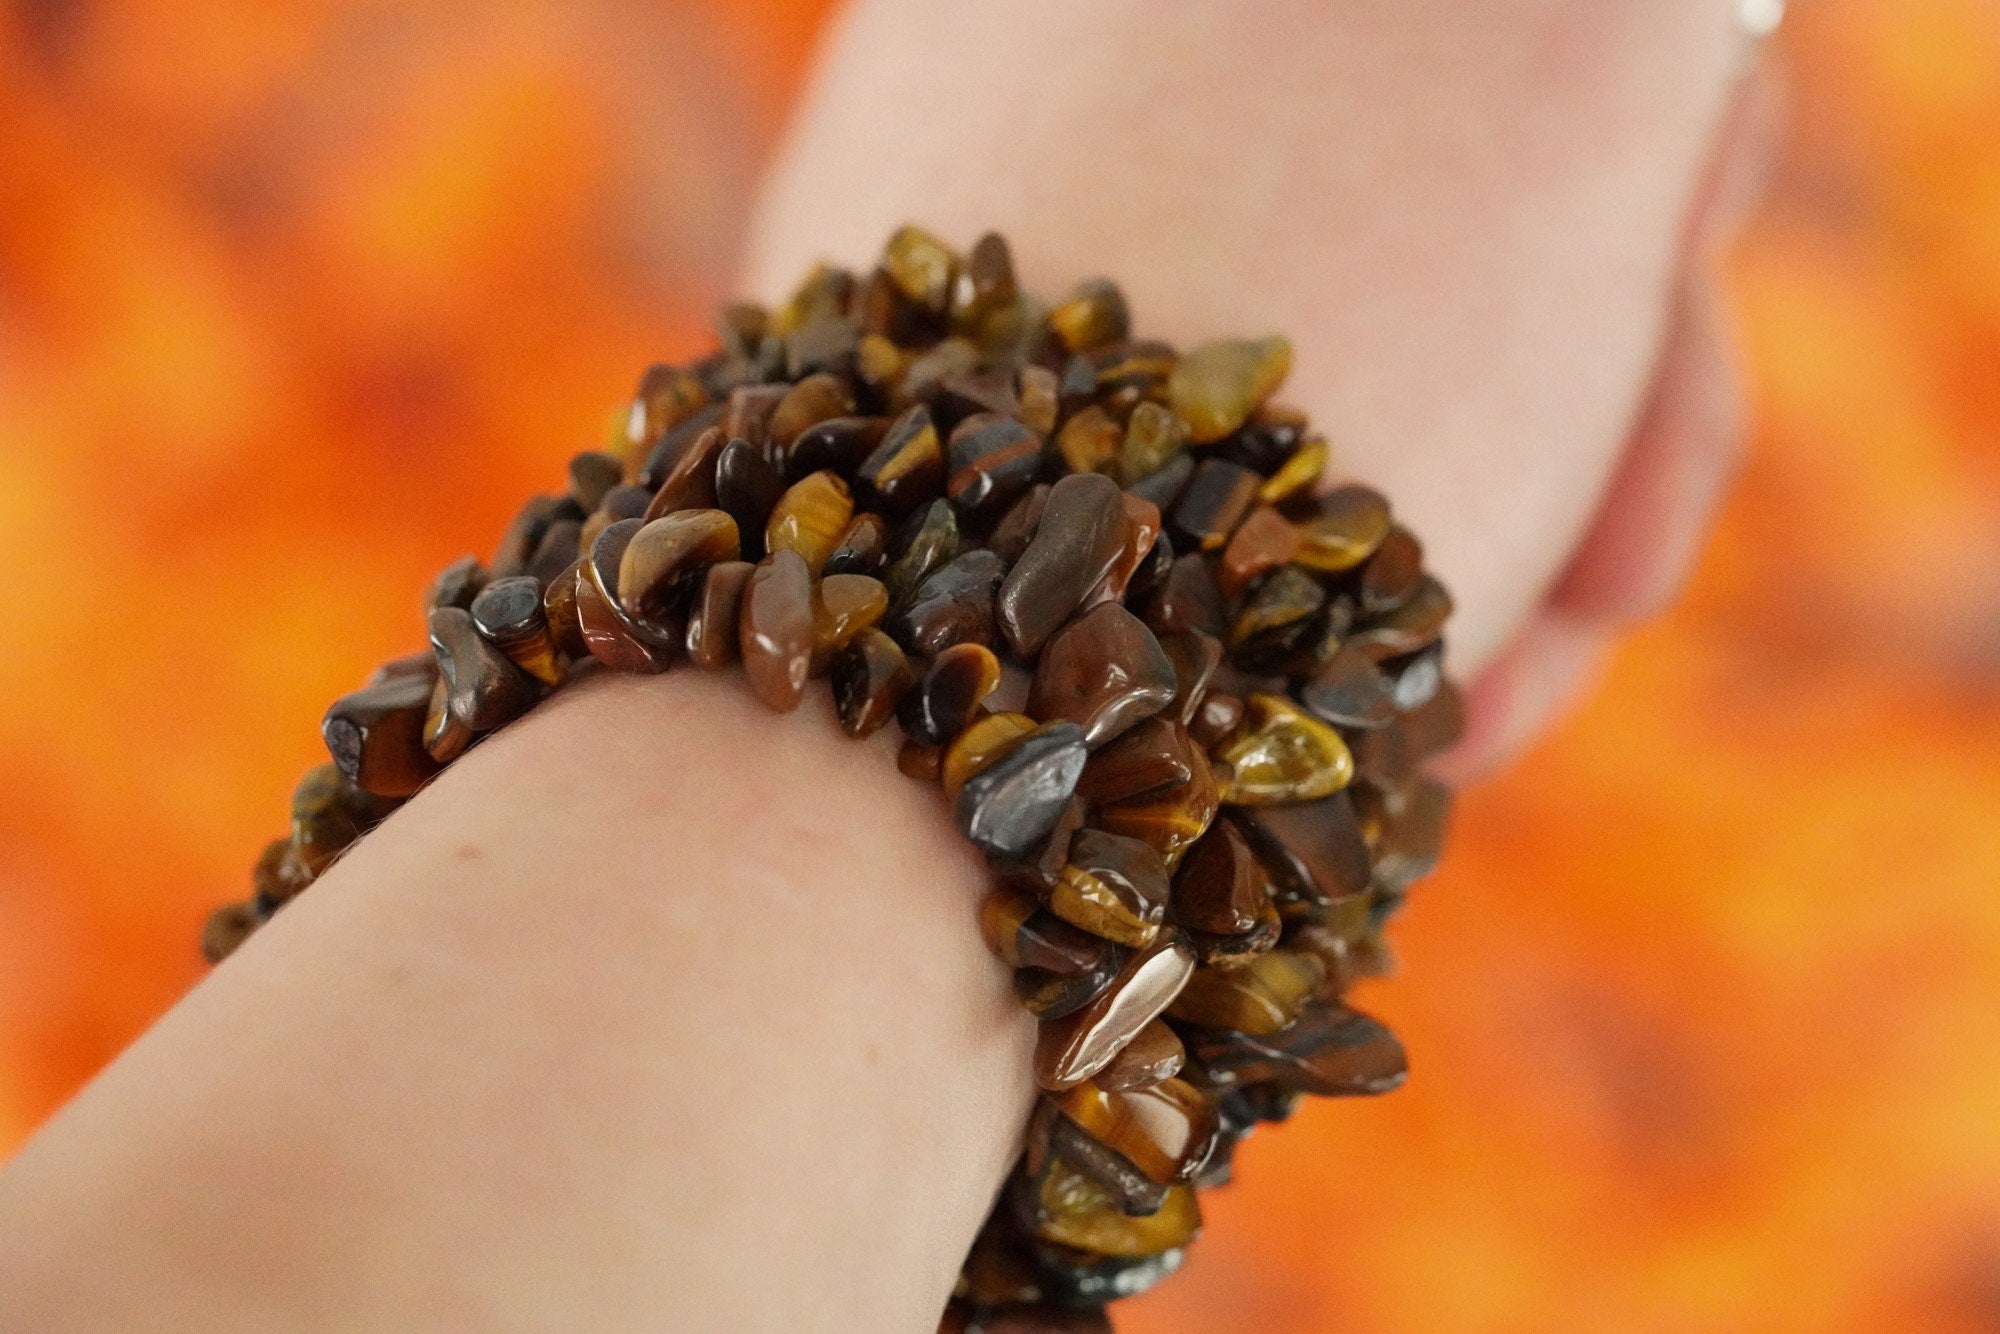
(297, 301)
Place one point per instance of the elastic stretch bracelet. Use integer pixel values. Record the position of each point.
(1201, 789)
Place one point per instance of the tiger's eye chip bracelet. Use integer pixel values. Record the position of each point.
(1176, 686)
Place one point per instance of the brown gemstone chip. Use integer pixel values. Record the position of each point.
(923, 267)
(1141, 540)
(666, 396)
(484, 688)
(1151, 758)
(1411, 626)
(1195, 657)
(559, 610)
(1010, 537)
(952, 606)
(1155, 1054)
(713, 636)
(1187, 599)
(1010, 806)
(1390, 576)
(226, 929)
(328, 814)
(1413, 829)
(1039, 394)
(991, 461)
(1263, 542)
(951, 690)
(817, 398)
(1087, 1220)
(1170, 821)
(690, 483)
(1282, 755)
(663, 566)
(1104, 671)
(620, 502)
(1350, 691)
(1328, 1052)
(1022, 934)
(1091, 440)
(985, 285)
(927, 544)
(748, 416)
(1314, 851)
(1297, 474)
(1221, 888)
(1128, 1190)
(279, 876)
(671, 447)
(747, 488)
(1352, 522)
(1093, 315)
(862, 548)
(1112, 886)
(591, 475)
(445, 737)
(1081, 533)
(1215, 501)
(810, 518)
(1215, 387)
(613, 638)
(456, 585)
(376, 735)
(823, 344)
(1259, 998)
(839, 444)
(775, 629)
(869, 678)
(1216, 721)
(1077, 1046)
(518, 543)
(1050, 995)
(1283, 605)
(1164, 1130)
(982, 742)
(843, 606)
(1154, 438)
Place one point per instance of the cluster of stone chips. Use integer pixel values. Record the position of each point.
(1178, 692)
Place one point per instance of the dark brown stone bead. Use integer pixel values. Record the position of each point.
(955, 684)
(843, 606)
(510, 613)
(713, 628)
(1009, 807)
(376, 735)
(662, 568)
(279, 876)
(1040, 397)
(987, 389)
(1350, 691)
(928, 543)
(227, 928)
(1263, 444)
(1093, 315)
(1314, 852)
(907, 468)
(1333, 935)
(1283, 605)
(1077, 1046)
(869, 678)
(1130, 1191)
(1329, 1051)
(840, 444)
(1164, 485)
(1411, 626)
(863, 547)
(1216, 721)
(1104, 671)
(881, 308)
(1187, 600)
(1050, 995)
(1352, 522)
(445, 737)
(985, 286)
(1264, 541)
(1435, 726)
(952, 606)
(918, 761)
(928, 370)
(1164, 1130)
(1023, 934)
(328, 814)
(1082, 1280)
(666, 396)
(518, 543)
(775, 629)
(1412, 824)
(1142, 536)
(484, 688)
(1260, 998)
(1385, 756)
(1297, 475)
(559, 609)
(985, 739)
(1195, 657)
(825, 290)
(557, 550)
(747, 489)
(410, 664)
(749, 412)
(991, 460)
(456, 585)
(823, 344)
(691, 482)
(1151, 758)
(1390, 576)
(1221, 888)
(817, 398)
(1113, 886)
(810, 518)
(1171, 820)
(1016, 529)
(1228, 952)
(1215, 500)
(1081, 534)
(1154, 1055)
(680, 437)
(1040, 870)
(1216, 386)
(1090, 440)
(591, 475)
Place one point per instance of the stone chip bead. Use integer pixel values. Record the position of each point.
(1154, 757)
(747, 488)
(1093, 1225)
(1164, 1130)
(775, 629)
(510, 612)
(1169, 820)
(226, 929)
(1296, 475)
(1113, 886)
(609, 635)
(907, 468)
(1154, 438)
(1104, 671)
(923, 267)
(1009, 807)
(1352, 522)
(810, 519)
(843, 606)
(1093, 315)
(817, 398)
(713, 627)
(982, 742)
(484, 688)
(1022, 934)
(1220, 887)
(991, 461)
(1080, 535)
(869, 677)
(376, 735)
(953, 606)
(1260, 998)
(950, 692)
(1215, 387)
(928, 543)
(1216, 499)
(1154, 1055)
(1328, 1051)
(862, 548)
(1072, 1049)
(328, 814)
(1350, 691)
(1314, 851)
(1282, 754)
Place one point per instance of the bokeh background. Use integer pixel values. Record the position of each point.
(297, 300)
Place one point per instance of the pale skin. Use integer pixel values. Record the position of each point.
(663, 1012)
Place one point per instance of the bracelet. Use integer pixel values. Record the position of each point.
(1180, 698)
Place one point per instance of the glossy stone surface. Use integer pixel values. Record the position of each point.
(1091, 316)
(328, 814)
(1072, 1049)
(1350, 691)
(990, 461)
(843, 606)
(1220, 887)
(1411, 626)
(1187, 600)
(1154, 437)
(1216, 721)
(1281, 754)
(1051, 995)
(1141, 537)
(922, 266)
(1010, 806)
(1081, 534)
(1039, 394)
(591, 475)
(1216, 386)
(1392, 574)
(1100, 1229)
(839, 444)
(1113, 886)
(1022, 934)
(1164, 1130)
(376, 735)
(1260, 998)
(1195, 657)
(985, 285)
(445, 737)
(561, 543)
(483, 687)
(1329, 1051)
(518, 543)
(609, 635)
(1164, 485)
(775, 629)
(747, 488)
(1127, 1189)
(663, 566)
(1314, 852)
(1351, 524)
(949, 692)
(666, 396)
(1278, 613)
(1297, 475)
(928, 543)
(748, 416)
(713, 627)
(1152, 758)
(863, 548)
(1010, 537)
(1091, 440)
(669, 449)
(690, 483)
(279, 876)
(1104, 671)
(559, 610)
(1170, 821)
(952, 606)
(456, 585)
(1263, 542)
(810, 518)
(817, 398)
(982, 742)
(1155, 1054)
(869, 678)
(1216, 499)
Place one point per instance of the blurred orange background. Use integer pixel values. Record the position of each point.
(297, 301)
